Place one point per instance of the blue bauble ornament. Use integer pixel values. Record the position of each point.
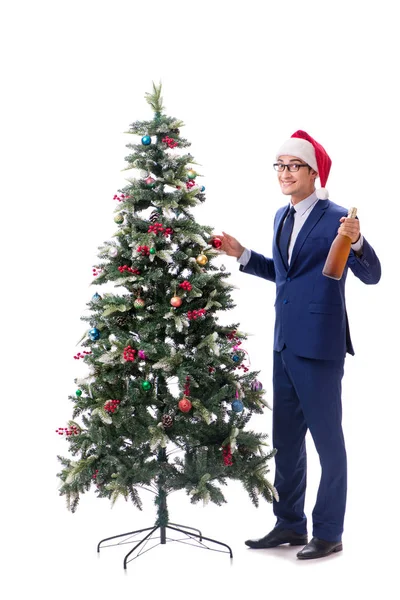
(202, 189)
(96, 297)
(237, 406)
(236, 358)
(94, 334)
(146, 140)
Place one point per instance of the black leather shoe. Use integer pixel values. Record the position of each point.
(276, 537)
(317, 548)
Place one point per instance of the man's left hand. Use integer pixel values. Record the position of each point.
(351, 228)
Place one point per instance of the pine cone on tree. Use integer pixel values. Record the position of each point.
(154, 217)
(167, 421)
(121, 320)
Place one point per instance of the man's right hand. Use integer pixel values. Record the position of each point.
(230, 245)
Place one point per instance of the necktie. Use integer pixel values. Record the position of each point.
(284, 238)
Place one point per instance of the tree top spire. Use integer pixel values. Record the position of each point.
(154, 99)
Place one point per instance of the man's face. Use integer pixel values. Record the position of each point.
(299, 184)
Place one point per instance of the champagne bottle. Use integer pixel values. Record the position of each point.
(338, 253)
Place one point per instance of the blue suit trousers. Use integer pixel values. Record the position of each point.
(307, 396)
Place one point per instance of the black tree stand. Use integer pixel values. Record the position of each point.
(163, 524)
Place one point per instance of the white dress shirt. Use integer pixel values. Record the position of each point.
(302, 211)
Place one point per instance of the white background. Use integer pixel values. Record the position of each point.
(243, 76)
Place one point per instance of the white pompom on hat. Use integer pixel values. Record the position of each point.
(305, 147)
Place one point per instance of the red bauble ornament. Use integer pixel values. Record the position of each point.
(184, 405)
(216, 243)
(176, 301)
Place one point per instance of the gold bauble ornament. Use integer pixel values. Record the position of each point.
(176, 301)
(202, 260)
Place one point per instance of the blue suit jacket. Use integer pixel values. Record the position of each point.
(311, 316)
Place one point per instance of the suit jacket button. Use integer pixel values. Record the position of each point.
(288, 279)
(285, 301)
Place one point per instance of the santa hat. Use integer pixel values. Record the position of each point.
(305, 147)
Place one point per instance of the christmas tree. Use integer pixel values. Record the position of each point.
(130, 430)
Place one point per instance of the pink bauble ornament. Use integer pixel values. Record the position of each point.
(139, 303)
(150, 182)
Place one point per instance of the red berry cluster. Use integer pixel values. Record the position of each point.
(144, 250)
(191, 183)
(194, 314)
(111, 405)
(186, 285)
(96, 271)
(211, 369)
(80, 355)
(67, 431)
(129, 269)
(187, 387)
(227, 456)
(94, 476)
(242, 366)
(129, 354)
(171, 143)
(232, 337)
(121, 197)
(159, 228)
(156, 228)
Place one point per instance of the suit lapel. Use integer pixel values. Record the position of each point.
(279, 222)
(315, 215)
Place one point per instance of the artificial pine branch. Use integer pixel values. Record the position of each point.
(155, 100)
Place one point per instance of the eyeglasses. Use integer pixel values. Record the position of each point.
(292, 168)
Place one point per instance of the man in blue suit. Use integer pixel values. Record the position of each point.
(310, 343)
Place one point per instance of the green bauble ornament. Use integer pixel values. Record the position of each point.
(78, 393)
(146, 385)
(152, 250)
(191, 174)
(119, 219)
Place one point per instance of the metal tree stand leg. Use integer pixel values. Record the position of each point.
(162, 524)
(191, 535)
(199, 538)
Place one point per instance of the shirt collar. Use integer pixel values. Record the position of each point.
(304, 205)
